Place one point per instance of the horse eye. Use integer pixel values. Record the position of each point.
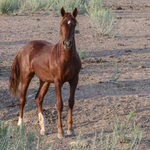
(75, 25)
(61, 25)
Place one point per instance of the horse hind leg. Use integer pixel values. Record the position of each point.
(39, 100)
(25, 81)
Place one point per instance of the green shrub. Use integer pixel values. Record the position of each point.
(115, 76)
(126, 132)
(82, 54)
(22, 7)
(16, 139)
(9, 6)
(102, 20)
(39, 4)
(69, 5)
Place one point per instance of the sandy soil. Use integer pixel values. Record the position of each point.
(97, 100)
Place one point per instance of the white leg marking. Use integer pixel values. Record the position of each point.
(20, 121)
(42, 122)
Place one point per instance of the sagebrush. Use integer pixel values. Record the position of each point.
(9, 6)
(17, 139)
(69, 5)
(102, 20)
(123, 132)
(83, 54)
(39, 4)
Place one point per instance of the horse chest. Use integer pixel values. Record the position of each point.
(70, 72)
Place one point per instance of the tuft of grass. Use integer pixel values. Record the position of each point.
(16, 139)
(103, 21)
(35, 5)
(82, 54)
(78, 145)
(22, 7)
(9, 6)
(128, 131)
(115, 76)
(69, 5)
(122, 133)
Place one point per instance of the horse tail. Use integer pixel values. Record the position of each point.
(14, 77)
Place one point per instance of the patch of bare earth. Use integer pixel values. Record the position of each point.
(97, 100)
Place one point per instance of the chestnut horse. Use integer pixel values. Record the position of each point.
(52, 63)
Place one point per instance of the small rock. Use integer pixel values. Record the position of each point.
(49, 32)
(119, 8)
(119, 17)
(144, 45)
(96, 34)
(119, 61)
(128, 51)
(37, 19)
(77, 32)
(103, 61)
(141, 125)
(54, 112)
(120, 44)
(131, 7)
(92, 61)
(29, 96)
(138, 96)
(11, 104)
(140, 67)
(111, 56)
(100, 59)
(35, 91)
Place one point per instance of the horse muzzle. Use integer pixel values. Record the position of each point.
(67, 44)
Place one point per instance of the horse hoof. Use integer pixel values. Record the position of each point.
(70, 132)
(60, 136)
(43, 132)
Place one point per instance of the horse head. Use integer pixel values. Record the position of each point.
(67, 27)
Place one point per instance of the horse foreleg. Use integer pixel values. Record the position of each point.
(58, 86)
(39, 100)
(73, 84)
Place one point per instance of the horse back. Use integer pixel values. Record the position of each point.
(35, 58)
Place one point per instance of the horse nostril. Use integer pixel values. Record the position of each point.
(70, 43)
(64, 42)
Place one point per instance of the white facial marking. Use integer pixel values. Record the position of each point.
(20, 122)
(69, 22)
(42, 122)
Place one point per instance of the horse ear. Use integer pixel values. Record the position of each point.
(75, 12)
(62, 12)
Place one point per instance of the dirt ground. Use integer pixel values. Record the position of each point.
(97, 100)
